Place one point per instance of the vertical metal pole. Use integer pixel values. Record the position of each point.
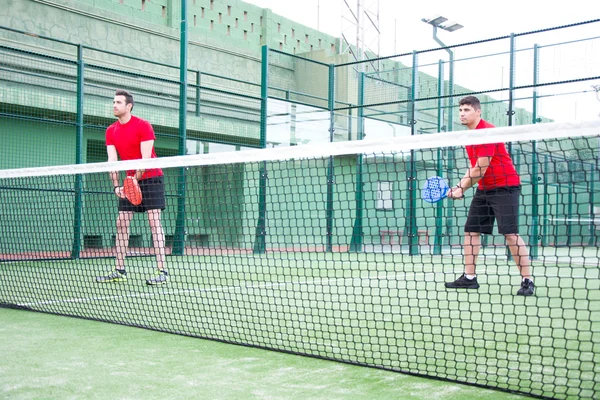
(450, 78)
(511, 112)
(198, 83)
(511, 84)
(535, 178)
(592, 226)
(557, 204)
(350, 124)
(77, 218)
(293, 121)
(570, 191)
(439, 209)
(451, 150)
(179, 237)
(545, 204)
(411, 206)
(590, 182)
(260, 243)
(330, 166)
(356, 243)
(451, 91)
(318, 15)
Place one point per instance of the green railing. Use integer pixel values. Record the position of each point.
(298, 100)
(420, 97)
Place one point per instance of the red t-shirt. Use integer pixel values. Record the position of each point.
(127, 139)
(501, 171)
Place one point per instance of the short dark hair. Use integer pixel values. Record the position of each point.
(470, 101)
(128, 96)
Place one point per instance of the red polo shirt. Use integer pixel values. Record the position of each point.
(501, 171)
(127, 139)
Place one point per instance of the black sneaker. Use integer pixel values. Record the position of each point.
(527, 288)
(463, 283)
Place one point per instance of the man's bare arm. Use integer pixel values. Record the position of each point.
(471, 177)
(113, 156)
(146, 149)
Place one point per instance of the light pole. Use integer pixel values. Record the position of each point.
(438, 21)
(441, 22)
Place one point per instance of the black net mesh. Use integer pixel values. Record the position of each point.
(329, 251)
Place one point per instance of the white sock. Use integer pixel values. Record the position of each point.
(471, 277)
(523, 280)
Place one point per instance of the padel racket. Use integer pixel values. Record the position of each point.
(435, 189)
(132, 191)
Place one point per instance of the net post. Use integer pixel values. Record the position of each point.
(439, 208)
(411, 206)
(76, 248)
(330, 165)
(261, 225)
(356, 242)
(179, 237)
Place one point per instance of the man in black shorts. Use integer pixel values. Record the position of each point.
(496, 198)
(132, 138)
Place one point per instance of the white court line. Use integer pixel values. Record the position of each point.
(261, 286)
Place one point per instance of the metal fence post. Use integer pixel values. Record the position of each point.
(330, 165)
(260, 244)
(77, 219)
(179, 237)
(411, 206)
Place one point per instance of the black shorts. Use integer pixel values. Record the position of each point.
(153, 196)
(500, 204)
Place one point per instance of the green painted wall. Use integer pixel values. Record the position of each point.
(30, 143)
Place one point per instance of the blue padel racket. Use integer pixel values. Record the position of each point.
(435, 189)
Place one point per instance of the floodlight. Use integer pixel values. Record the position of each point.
(435, 20)
(451, 27)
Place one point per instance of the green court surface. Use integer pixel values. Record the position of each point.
(53, 357)
(385, 310)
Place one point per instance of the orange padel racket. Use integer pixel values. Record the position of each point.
(132, 190)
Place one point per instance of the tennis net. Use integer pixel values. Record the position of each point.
(330, 251)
